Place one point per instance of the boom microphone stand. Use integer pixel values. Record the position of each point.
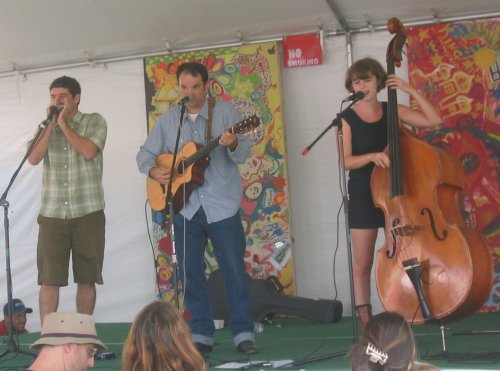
(337, 121)
(11, 346)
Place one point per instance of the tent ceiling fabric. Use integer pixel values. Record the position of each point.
(55, 32)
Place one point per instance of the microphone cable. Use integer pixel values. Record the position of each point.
(155, 262)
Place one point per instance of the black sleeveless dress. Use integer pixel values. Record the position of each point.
(366, 138)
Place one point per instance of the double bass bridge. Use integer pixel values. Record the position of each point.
(401, 232)
(405, 230)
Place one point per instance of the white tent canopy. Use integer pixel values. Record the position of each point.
(38, 34)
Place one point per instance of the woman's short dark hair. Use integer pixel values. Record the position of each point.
(194, 69)
(362, 69)
(68, 83)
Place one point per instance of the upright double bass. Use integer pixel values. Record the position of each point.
(432, 266)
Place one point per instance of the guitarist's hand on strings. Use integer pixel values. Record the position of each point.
(160, 174)
(229, 140)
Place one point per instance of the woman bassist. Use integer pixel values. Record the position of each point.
(364, 141)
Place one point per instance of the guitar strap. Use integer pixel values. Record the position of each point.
(211, 104)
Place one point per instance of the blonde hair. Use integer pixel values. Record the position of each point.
(389, 333)
(160, 340)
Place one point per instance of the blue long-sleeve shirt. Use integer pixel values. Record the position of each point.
(220, 194)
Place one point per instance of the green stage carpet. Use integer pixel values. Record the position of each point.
(471, 344)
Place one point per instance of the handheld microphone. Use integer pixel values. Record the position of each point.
(54, 110)
(355, 97)
(184, 100)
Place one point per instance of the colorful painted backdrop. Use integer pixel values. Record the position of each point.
(457, 66)
(249, 78)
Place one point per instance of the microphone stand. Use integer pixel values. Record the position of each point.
(337, 121)
(170, 206)
(11, 346)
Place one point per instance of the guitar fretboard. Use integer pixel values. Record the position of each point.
(241, 127)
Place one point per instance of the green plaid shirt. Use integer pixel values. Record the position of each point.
(72, 185)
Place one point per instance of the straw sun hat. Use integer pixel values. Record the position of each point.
(68, 328)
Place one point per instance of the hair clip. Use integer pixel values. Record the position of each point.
(376, 355)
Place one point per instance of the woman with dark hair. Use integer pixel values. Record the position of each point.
(160, 340)
(364, 141)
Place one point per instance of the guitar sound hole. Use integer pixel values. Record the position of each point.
(181, 167)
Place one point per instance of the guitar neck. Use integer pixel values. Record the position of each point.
(241, 127)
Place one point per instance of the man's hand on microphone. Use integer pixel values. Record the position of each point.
(68, 111)
(51, 114)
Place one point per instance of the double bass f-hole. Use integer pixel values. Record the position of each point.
(444, 234)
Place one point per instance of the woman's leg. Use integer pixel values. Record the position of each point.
(363, 250)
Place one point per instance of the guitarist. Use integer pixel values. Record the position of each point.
(211, 211)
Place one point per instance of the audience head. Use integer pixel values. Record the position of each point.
(159, 339)
(19, 319)
(387, 344)
(67, 339)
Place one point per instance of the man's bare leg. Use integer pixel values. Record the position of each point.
(85, 298)
(48, 300)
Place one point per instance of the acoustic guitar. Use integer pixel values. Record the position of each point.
(190, 166)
